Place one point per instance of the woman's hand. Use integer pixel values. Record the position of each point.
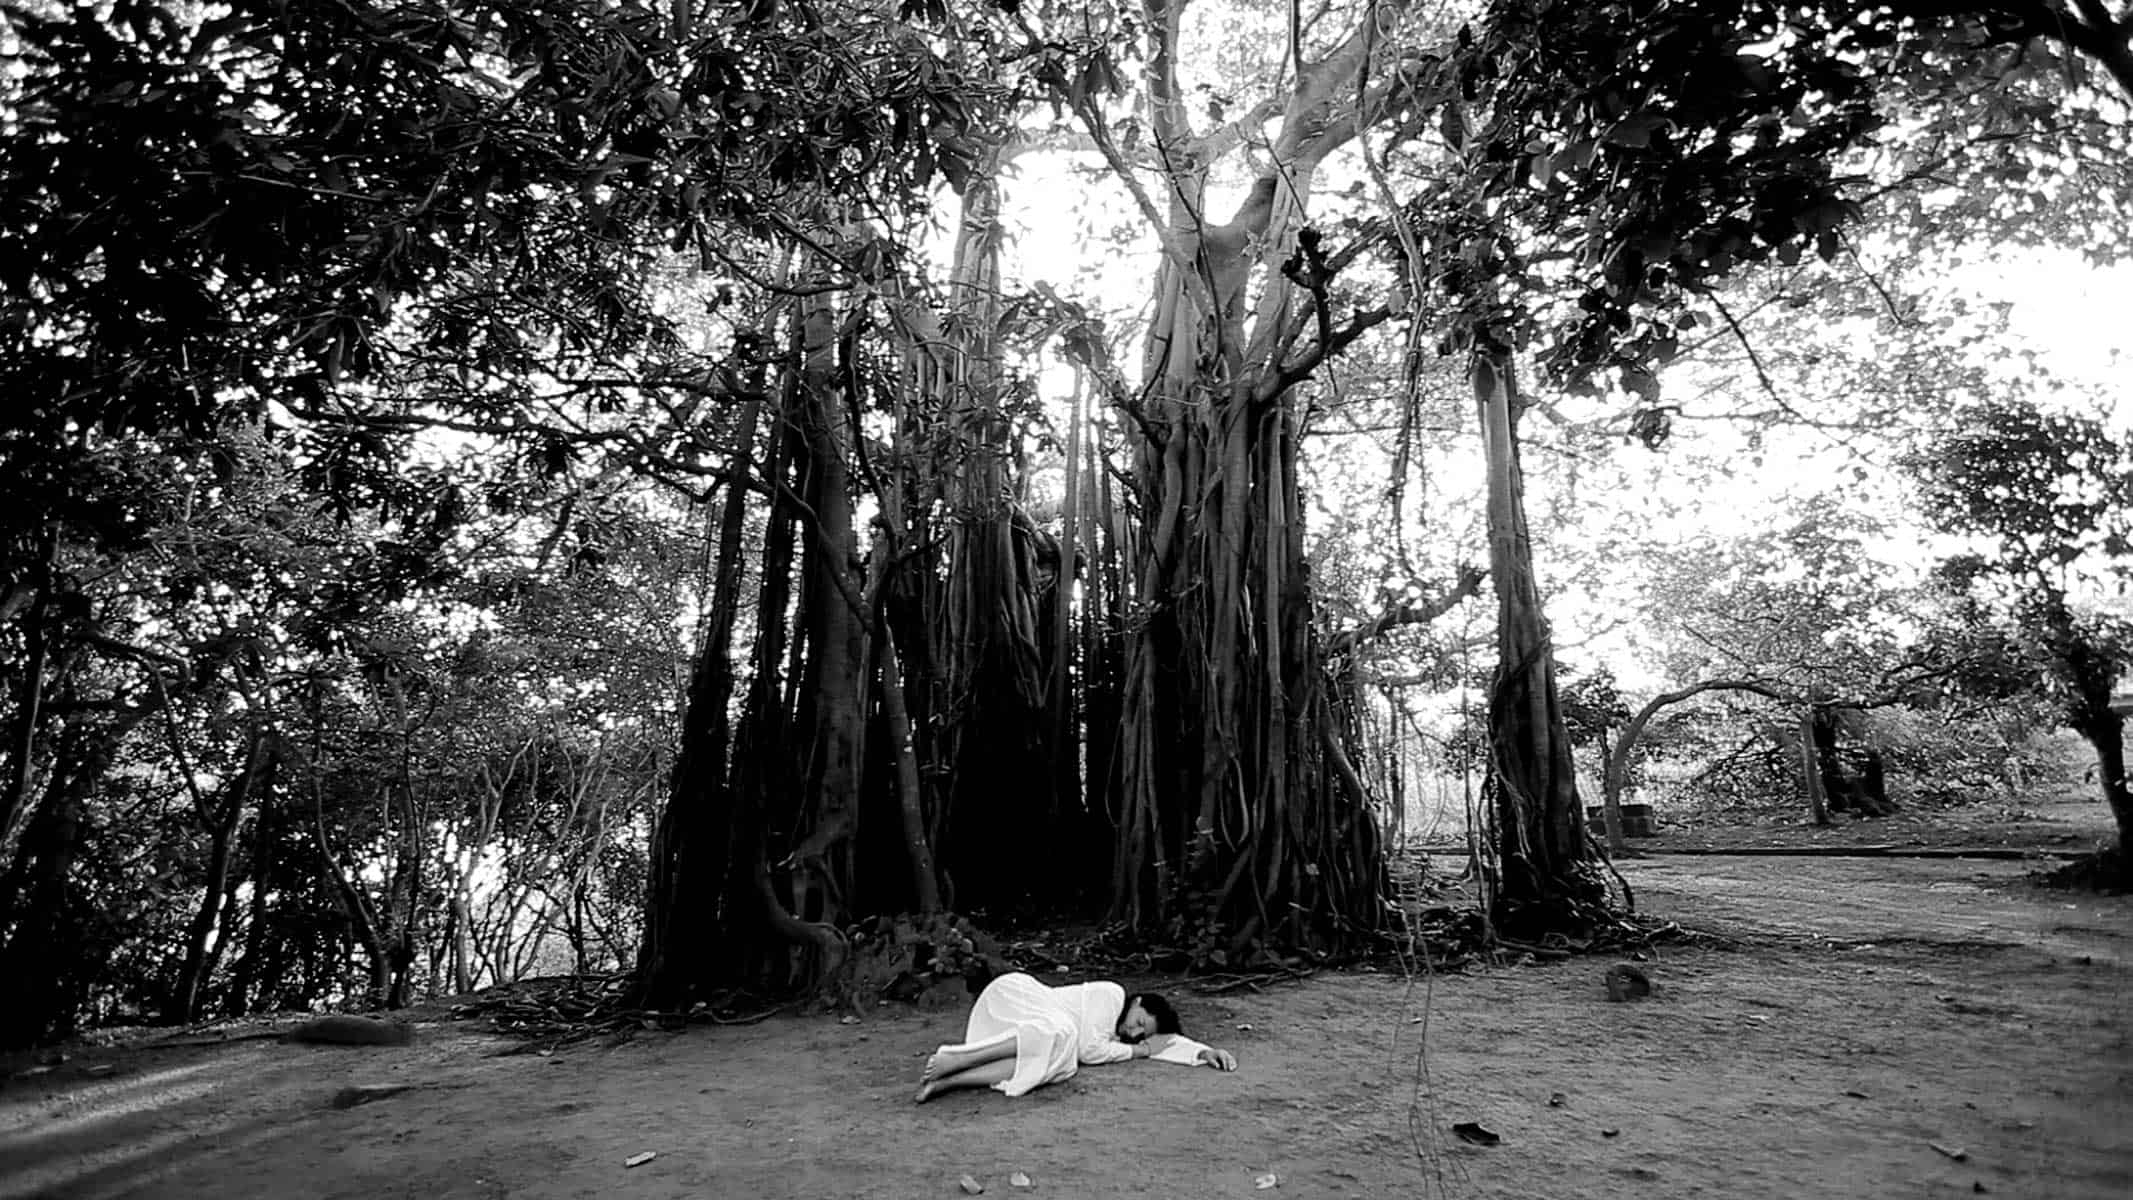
(1220, 1060)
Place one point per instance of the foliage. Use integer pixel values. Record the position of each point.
(286, 199)
(2050, 496)
(1592, 705)
(402, 393)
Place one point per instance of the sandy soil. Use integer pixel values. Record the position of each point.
(1864, 1027)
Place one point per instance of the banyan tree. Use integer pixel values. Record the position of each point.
(1241, 819)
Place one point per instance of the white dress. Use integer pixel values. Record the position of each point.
(1055, 1030)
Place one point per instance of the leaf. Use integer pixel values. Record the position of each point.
(1755, 72)
(1635, 130)
(1823, 217)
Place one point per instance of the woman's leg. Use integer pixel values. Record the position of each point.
(949, 1061)
(985, 1074)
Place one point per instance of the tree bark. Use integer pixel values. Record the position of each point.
(1610, 801)
(1546, 878)
(1811, 769)
(2104, 729)
(910, 796)
(691, 857)
(1240, 824)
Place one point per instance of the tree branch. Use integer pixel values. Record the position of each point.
(1467, 585)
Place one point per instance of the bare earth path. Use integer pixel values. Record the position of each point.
(1862, 1013)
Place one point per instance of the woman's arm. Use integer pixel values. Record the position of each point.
(1107, 1051)
(1150, 1046)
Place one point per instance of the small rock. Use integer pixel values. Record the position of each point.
(1477, 1133)
(971, 1187)
(1018, 1179)
(1626, 981)
(1555, 1099)
(1957, 1152)
(638, 1160)
(1263, 1182)
(1610, 1133)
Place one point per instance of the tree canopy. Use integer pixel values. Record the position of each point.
(544, 483)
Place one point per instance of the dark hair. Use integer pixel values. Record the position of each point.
(1166, 1017)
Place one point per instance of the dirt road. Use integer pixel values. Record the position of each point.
(1868, 1027)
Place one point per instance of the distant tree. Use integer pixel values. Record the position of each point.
(2049, 497)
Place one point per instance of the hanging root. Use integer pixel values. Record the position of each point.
(1599, 848)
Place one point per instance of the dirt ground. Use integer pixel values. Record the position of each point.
(1885, 1027)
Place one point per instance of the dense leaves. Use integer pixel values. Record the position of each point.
(2049, 494)
(503, 487)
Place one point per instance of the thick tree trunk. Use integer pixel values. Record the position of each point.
(1834, 783)
(1611, 799)
(1242, 825)
(1811, 777)
(988, 636)
(691, 860)
(2104, 730)
(925, 884)
(835, 618)
(1546, 877)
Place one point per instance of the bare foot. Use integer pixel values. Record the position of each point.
(925, 1078)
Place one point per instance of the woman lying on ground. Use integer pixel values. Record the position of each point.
(1023, 1034)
